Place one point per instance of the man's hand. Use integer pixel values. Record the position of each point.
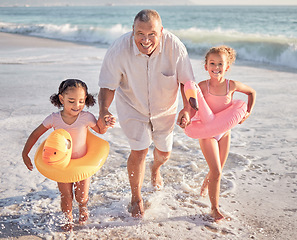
(105, 121)
(183, 119)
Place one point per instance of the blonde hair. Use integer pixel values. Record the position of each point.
(230, 53)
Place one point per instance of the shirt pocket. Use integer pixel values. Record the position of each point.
(168, 81)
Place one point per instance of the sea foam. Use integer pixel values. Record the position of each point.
(68, 32)
(259, 48)
(274, 50)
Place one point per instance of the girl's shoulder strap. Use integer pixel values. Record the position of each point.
(228, 85)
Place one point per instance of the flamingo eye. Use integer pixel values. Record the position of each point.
(55, 153)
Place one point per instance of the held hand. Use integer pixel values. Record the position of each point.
(106, 120)
(28, 162)
(110, 121)
(183, 119)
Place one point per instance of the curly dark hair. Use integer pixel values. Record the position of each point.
(72, 83)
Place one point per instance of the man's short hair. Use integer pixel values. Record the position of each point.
(146, 15)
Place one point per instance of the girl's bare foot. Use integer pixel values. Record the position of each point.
(204, 187)
(204, 190)
(83, 215)
(137, 209)
(68, 226)
(217, 215)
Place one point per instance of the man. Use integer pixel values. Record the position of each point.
(145, 67)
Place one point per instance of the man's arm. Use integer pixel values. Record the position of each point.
(184, 117)
(105, 98)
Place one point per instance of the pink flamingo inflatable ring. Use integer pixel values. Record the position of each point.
(206, 124)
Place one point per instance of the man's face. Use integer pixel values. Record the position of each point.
(147, 35)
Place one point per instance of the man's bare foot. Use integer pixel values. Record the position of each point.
(137, 209)
(83, 215)
(68, 225)
(217, 215)
(156, 178)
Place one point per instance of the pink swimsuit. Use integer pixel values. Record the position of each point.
(218, 103)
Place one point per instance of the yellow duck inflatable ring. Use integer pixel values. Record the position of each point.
(53, 157)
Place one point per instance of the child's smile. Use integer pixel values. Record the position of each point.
(217, 65)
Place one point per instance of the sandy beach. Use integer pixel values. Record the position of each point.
(259, 185)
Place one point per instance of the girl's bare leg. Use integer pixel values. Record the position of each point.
(66, 204)
(210, 150)
(81, 189)
(204, 187)
(224, 146)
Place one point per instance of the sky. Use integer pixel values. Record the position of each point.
(137, 2)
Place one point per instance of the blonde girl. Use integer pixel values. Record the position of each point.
(218, 93)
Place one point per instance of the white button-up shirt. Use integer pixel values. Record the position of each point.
(146, 87)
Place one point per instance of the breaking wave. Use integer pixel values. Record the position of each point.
(274, 50)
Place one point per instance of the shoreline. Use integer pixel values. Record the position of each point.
(262, 202)
(14, 40)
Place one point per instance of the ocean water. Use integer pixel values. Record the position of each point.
(260, 34)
